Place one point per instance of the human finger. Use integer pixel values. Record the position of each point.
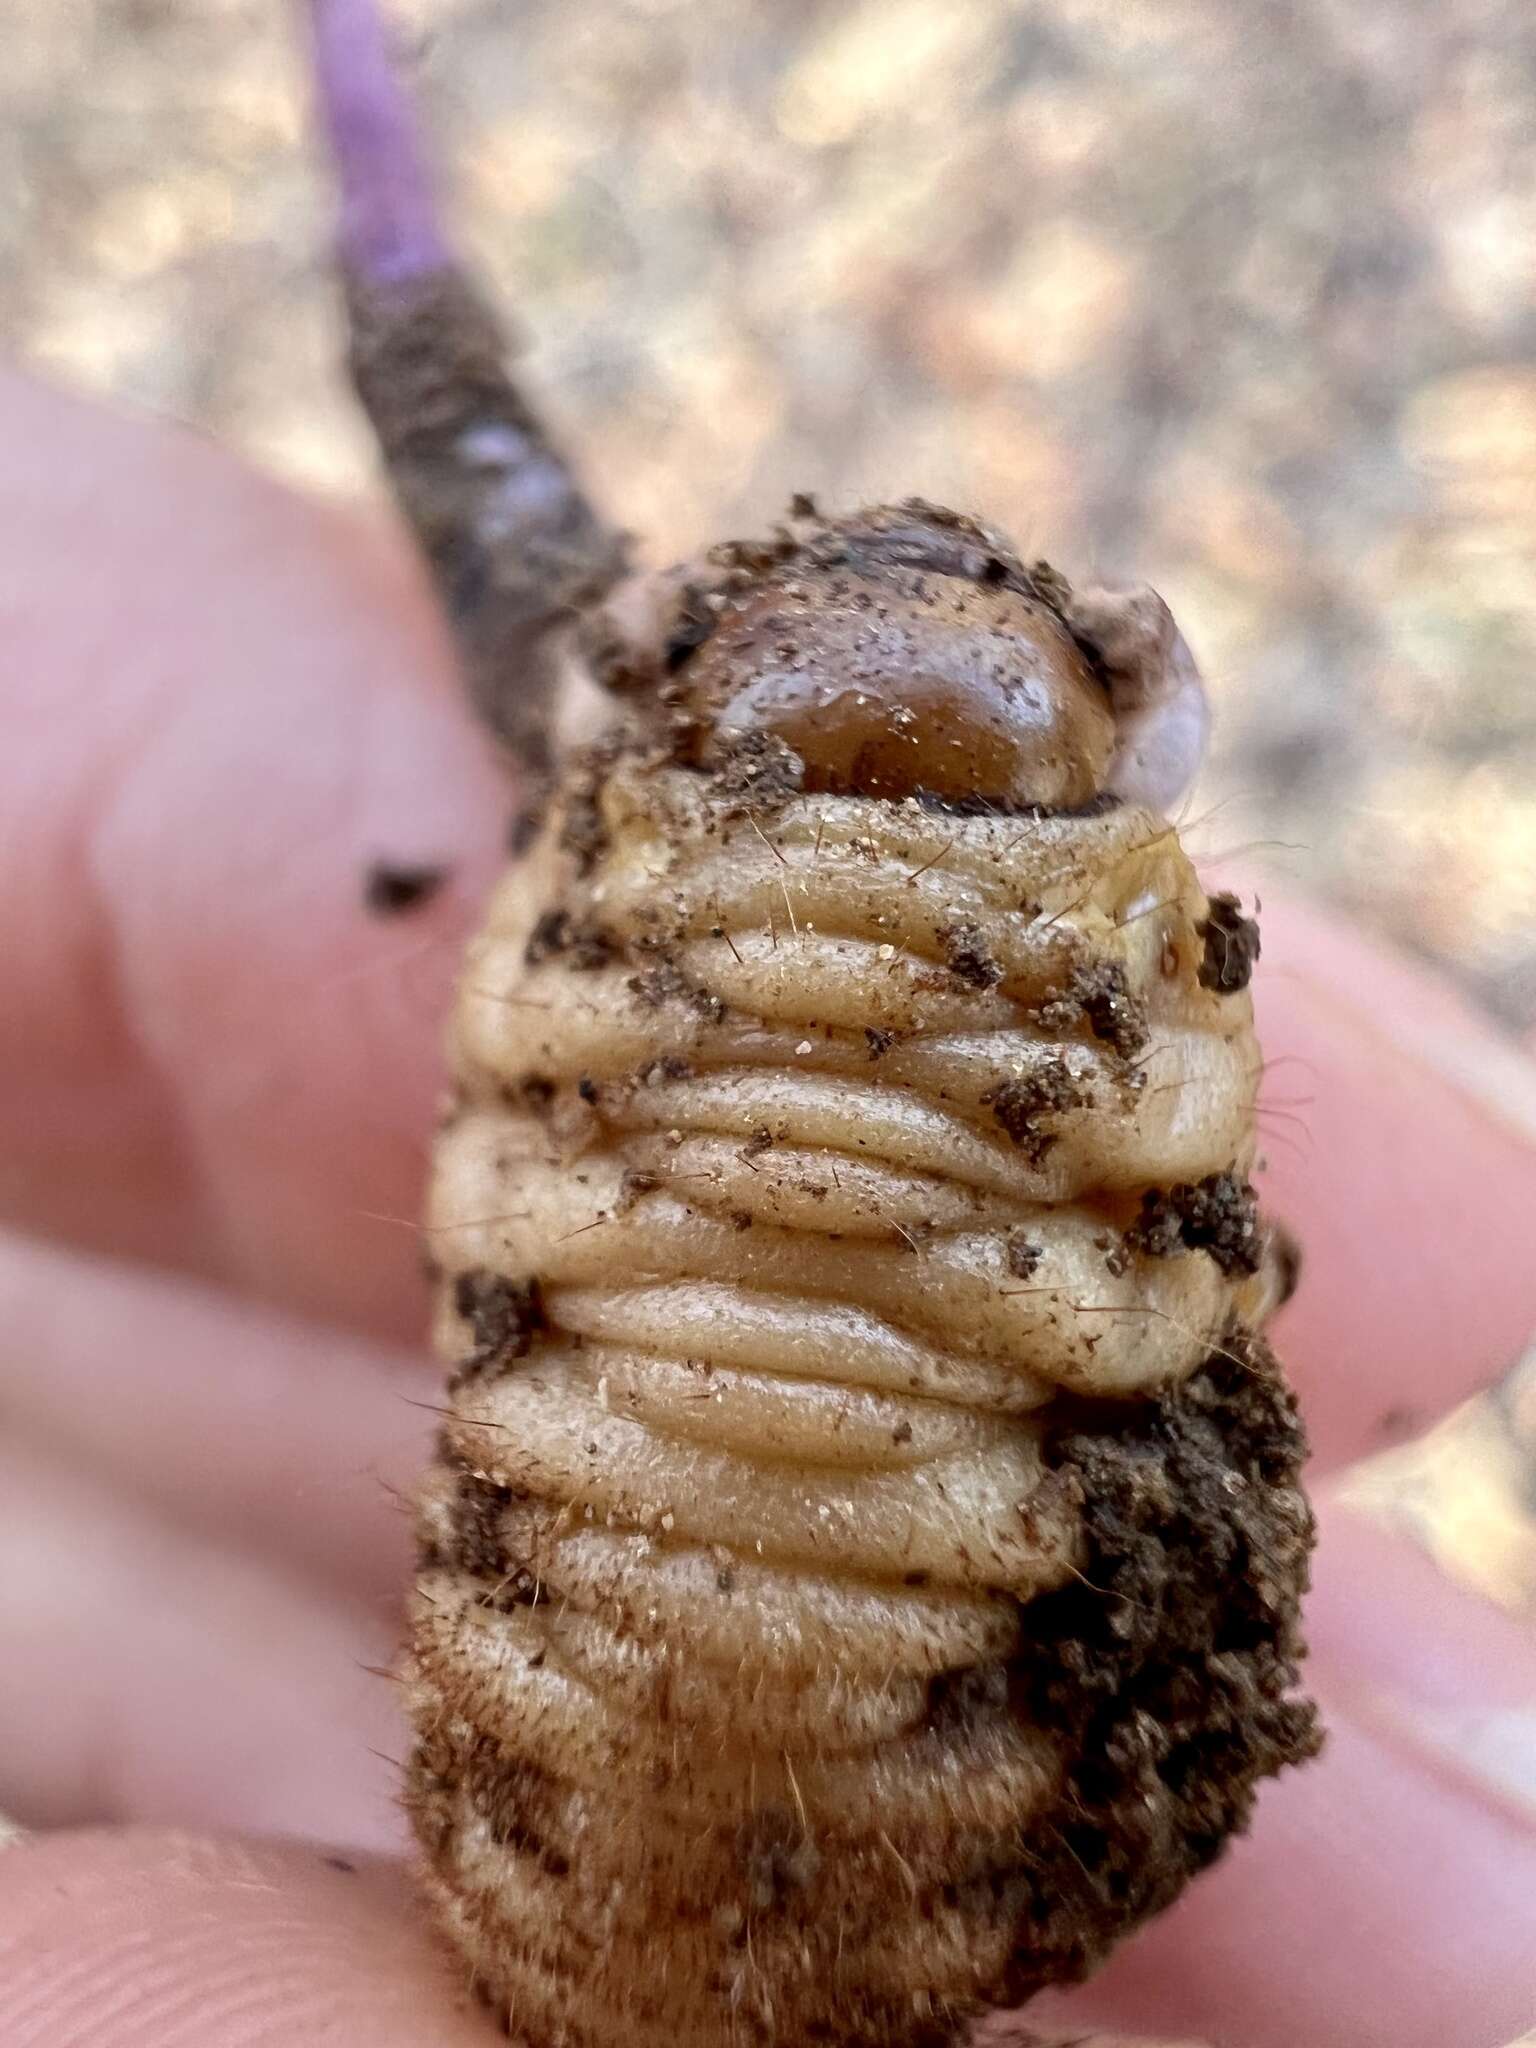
(1409, 1176)
(152, 1674)
(240, 1425)
(225, 704)
(142, 1938)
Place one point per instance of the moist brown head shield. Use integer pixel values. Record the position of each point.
(860, 1572)
(896, 654)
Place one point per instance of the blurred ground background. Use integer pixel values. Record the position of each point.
(1238, 299)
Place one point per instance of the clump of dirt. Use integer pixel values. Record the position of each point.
(1170, 1663)
(778, 1857)
(583, 832)
(756, 769)
(1098, 995)
(504, 1317)
(1231, 945)
(519, 1804)
(693, 622)
(1219, 1215)
(669, 1067)
(666, 983)
(587, 946)
(475, 1542)
(1018, 1105)
(967, 957)
(1023, 1255)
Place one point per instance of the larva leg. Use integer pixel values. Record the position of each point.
(513, 545)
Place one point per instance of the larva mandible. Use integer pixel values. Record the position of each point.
(861, 1568)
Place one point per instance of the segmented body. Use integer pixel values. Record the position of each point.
(860, 1572)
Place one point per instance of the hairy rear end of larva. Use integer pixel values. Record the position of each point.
(860, 1574)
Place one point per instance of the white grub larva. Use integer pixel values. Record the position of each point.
(861, 1569)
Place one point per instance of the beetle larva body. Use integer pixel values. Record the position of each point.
(861, 1570)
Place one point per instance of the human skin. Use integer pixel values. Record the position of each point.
(217, 1074)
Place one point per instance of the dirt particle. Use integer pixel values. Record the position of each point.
(1019, 1105)
(1023, 1255)
(1219, 1215)
(633, 1183)
(583, 832)
(658, 985)
(391, 888)
(669, 1067)
(666, 983)
(521, 1807)
(1116, 1257)
(1098, 995)
(588, 946)
(967, 956)
(472, 1541)
(504, 1317)
(756, 768)
(695, 619)
(1231, 945)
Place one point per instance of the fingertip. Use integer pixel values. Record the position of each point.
(157, 1939)
(1399, 1133)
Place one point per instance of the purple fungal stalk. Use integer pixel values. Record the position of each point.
(389, 230)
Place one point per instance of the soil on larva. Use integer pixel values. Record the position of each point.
(1172, 1663)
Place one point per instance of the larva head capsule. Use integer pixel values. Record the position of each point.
(898, 655)
(909, 651)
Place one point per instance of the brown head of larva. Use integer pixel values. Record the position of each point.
(906, 658)
(905, 651)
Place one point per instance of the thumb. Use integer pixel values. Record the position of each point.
(150, 1938)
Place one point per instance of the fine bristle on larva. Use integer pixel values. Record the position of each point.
(859, 1579)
